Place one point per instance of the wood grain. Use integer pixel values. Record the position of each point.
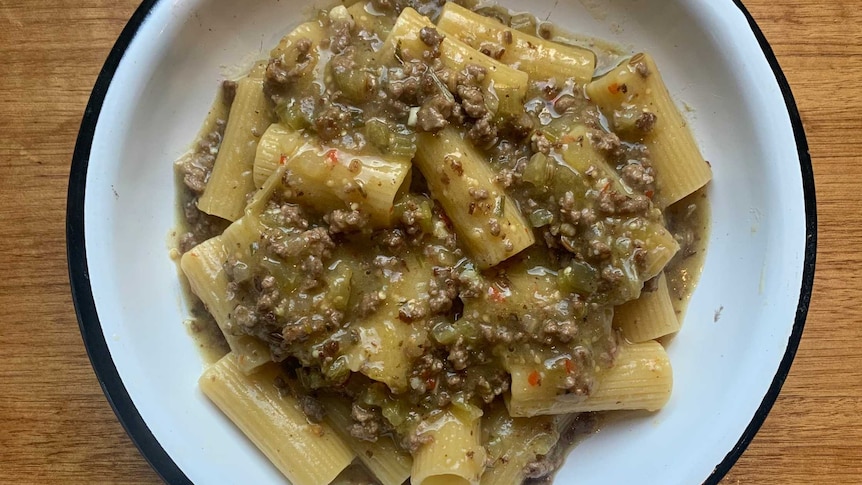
(58, 427)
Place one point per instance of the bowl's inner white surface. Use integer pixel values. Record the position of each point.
(711, 61)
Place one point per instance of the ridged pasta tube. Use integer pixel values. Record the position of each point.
(541, 59)
(649, 317)
(641, 378)
(231, 179)
(639, 108)
(306, 453)
(384, 458)
(454, 455)
(503, 86)
(487, 220)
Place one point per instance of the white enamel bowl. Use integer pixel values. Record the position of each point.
(156, 87)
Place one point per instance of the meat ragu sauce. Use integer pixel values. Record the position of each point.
(312, 277)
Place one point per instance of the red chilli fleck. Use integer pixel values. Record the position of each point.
(535, 379)
(496, 295)
(332, 157)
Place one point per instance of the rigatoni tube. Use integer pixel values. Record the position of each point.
(203, 266)
(487, 220)
(306, 453)
(541, 59)
(384, 458)
(404, 42)
(639, 108)
(324, 178)
(649, 317)
(454, 455)
(231, 179)
(641, 378)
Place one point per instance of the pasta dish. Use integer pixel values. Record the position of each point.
(432, 239)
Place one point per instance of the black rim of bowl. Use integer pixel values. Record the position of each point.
(103, 364)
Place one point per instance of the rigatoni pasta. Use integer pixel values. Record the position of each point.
(650, 317)
(426, 252)
(231, 179)
(454, 454)
(488, 221)
(307, 453)
(540, 58)
(637, 103)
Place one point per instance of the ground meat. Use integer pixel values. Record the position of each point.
(414, 441)
(471, 75)
(346, 221)
(569, 211)
(599, 249)
(442, 289)
(412, 218)
(478, 194)
(303, 327)
(637, 204)
(484, 132)
(430, 36)
(411, 311)
(611, 202)
(564, 103)
(341, 33)
(426, 367)
(588, 217)
(187, 242)
(646, 122)
(281, 73)
(287, 215)
(312, 408)
(563, 331)
(638, 177)
(411, 83)
(390, 238)
(244, 317)
(314, 242)
(368, 304)
(331, 122)
(494, 227)
(312, 271)
(608, 142)
(472, 101)
(196, 169)
(500, 383)
(432, 116)
(540, 143)
(269, 295)
(612, 274)
(368, 425)
(459, 355)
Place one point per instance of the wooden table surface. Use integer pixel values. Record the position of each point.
(55, 424)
